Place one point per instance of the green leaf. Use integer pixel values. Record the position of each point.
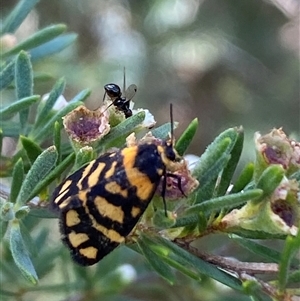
(269, 180)
(235, 155)
(7, 211)
(157, 264)
(41, 37)
(17, 180)
(244, 178)
(198, 264)
(116, 137)
(285, 264)
(225, 202)
(10, 129)
(42, 213)
(162, 132)
(191, 221)
(53, 46)
(40, 168)
(254, 234)
(32, 149)
(3, 228)
(161, 221)
(186, 138)
(254, 289)
(28, 241)
(208, 161)
(20, 254)
(292, 245)
(57, 141)
(21, 212)
(24, 82)
(17, 16)
(209, 167)
(1, 140)
(164, 256)
(294, 277)
(43, 113)
(52, 175)
(19, 105)
(7, 75)
(258, 249)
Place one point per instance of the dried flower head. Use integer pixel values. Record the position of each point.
(277, 214)
(276, 148)
(85, 126)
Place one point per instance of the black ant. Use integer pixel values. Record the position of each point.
(121, 102)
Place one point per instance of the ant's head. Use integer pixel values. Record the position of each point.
(113, 91)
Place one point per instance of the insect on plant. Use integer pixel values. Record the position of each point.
(119, 100)
(100, 203)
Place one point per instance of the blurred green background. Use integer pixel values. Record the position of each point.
(226, 62)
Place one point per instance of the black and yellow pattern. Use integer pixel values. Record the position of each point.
(101, 203)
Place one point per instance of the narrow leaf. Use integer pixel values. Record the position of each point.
(117, 135)
(208, 160)
(10, 129)
(17, 16)
(17, 180)
(225, 202)
(54, 46)
(200, 265)
(284, 264)
(235, 155)
(20, 254)
(294, 277)
(42, 213)
(1, 140)
(32, 149)
(269, 180)
(258, 249)
(41, 37)
(19, 105)
(24, 82)
(163, 131)
(209, 167)
(168, 257)
(3, 228)
(186, 138)
(157, 264)
(244, 178)
(41, 167)
(56, 91)
(7, 75)
(23, 75)
(57, 141)
(52, 175)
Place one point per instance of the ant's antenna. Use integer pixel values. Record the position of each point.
(172, 123)
(124, 79)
